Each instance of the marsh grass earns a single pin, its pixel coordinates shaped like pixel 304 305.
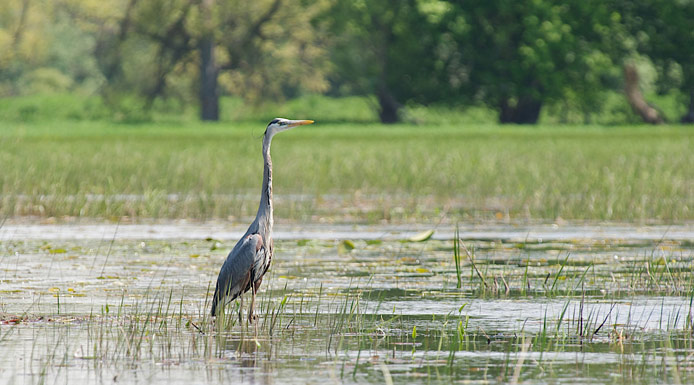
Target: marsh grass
pixel 157 330
pixel 341 171
pixel 512 276
pixel 547 313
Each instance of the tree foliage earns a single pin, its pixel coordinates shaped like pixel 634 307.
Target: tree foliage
pixel 41 50
pixel 385 48
pixel 137 51
pixel 662 30
pixel 515 57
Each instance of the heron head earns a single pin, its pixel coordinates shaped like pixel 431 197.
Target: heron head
pixel 281 124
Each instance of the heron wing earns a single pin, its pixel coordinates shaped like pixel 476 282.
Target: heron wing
pixel 235 273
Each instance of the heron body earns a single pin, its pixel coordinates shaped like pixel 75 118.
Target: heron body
pixel 250 258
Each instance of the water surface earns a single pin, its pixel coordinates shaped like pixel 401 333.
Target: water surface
pixel 345 304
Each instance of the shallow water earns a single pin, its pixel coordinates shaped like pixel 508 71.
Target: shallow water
pixel 545 304
pixel 225 231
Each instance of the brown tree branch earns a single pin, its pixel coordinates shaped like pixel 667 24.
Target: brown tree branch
pixel 638 103
pixel 253 33
pixel 22 21
pixel 112 62
pixel 175 44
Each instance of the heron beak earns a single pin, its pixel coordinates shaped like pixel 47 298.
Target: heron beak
pixel 295 123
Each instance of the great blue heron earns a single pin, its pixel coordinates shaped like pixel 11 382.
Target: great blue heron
pixel 248 261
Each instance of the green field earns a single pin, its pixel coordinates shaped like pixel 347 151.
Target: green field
pixel 357 172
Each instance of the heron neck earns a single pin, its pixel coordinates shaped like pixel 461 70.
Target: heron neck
pixel 264 216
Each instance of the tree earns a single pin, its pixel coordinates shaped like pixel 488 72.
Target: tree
pixel 519 55
pixel 270 49
pixel 209 89
pixel 638 103
pixel 134 44
pixel 662 30
pixel 43 49
pixel 384 48
pixel 199 49
pixel 22 42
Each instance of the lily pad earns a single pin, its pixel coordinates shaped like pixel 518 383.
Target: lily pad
pixel 421 237
pixel 345 246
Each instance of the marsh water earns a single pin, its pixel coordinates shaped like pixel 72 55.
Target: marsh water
pixel 343 304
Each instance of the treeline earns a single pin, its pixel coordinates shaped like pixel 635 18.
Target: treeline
pixel 513 56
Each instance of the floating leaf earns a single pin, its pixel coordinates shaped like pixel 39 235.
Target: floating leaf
pixel 374 242
pixel 194 255
pixel 421 237
pixel 345 246
pixel 57 251
pixel 216 245
pixel 302 242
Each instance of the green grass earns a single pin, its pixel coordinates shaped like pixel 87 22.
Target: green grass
pixel 357 172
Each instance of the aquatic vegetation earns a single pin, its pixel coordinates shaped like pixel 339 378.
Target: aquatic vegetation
pixel 406 312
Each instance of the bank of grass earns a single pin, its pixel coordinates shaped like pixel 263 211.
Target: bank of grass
pixel 357 172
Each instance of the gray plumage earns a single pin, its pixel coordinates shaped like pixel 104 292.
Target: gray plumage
pixel 245 261
pixel 250 259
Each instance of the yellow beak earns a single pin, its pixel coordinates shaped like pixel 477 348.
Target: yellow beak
pixel 295 123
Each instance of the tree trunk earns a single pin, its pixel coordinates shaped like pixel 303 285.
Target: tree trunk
pixel 388 106
pixel 689 117
pixel 209 94
pixel 526 111
pixel 647 112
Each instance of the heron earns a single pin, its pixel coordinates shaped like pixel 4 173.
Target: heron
pixel 250 258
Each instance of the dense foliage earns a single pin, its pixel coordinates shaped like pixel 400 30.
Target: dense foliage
pixel 513 57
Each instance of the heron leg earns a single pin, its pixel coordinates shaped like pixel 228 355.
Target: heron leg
pixel 254 286
pixel 240 309
pixel 251 315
